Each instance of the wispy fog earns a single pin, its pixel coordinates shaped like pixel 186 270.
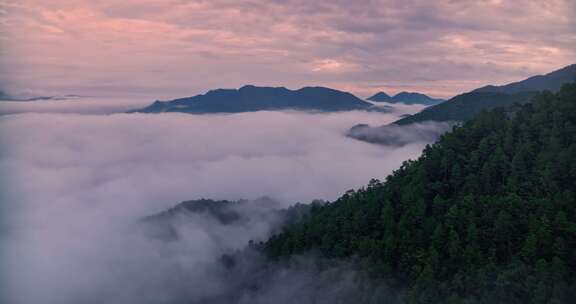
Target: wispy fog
pixel 76 184
pixel 77 105
pixel 395 135
pixel 400 107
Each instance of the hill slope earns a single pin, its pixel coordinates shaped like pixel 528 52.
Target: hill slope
pixel 551 82
pixel 487 214
pixel 252 98
pixel 465 106
pixel 380 96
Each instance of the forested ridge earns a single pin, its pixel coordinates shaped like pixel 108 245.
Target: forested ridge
pixel 487 214
pixel 466 106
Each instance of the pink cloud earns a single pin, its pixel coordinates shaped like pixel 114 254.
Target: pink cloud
pixel 178 47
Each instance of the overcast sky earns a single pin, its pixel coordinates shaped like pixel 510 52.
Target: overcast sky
pixel 170 48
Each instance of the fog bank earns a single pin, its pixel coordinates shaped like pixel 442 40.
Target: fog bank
pixel 76 184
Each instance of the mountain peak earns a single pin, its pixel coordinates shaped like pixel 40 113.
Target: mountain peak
pixel 405 97
pixel 247 87
pixel 408 94
pixel 380 96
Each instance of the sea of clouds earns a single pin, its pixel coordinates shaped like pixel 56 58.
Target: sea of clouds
pixel 73 185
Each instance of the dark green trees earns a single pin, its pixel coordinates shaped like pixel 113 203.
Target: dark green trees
pixel 486 215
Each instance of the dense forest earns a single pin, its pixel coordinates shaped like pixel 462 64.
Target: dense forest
pixel 487 214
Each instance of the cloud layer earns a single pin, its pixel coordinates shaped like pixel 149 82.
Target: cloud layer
pixel 183 47
pixel 184 156
pixel 75 184
pixel 78 105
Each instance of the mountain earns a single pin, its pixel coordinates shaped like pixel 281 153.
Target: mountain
pixel 487 214
pixel 551 82
pixel 467 105
pixel 405 97
pixel 380 96
pixel 251 98
pixel 415 98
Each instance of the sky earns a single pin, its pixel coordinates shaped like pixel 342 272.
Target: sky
pixel 172 48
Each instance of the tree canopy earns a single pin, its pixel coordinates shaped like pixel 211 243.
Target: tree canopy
pixel 487 214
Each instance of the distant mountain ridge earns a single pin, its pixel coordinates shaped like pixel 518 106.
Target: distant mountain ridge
pixel 380 96
pixel 251 98
pixel 465 106
pixel 551 82
pixel 405 97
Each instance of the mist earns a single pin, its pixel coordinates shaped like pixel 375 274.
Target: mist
pixel 396 136
pixel 76 105
pixel 75 185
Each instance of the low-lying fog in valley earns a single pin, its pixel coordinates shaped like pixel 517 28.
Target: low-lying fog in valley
pixel 75 104
pixel 78 183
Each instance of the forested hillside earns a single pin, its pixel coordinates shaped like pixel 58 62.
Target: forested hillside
pixel 486 215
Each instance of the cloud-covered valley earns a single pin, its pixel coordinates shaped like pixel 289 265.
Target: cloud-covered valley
pixel 76 184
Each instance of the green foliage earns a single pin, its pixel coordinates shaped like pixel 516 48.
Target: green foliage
pixel 486 215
